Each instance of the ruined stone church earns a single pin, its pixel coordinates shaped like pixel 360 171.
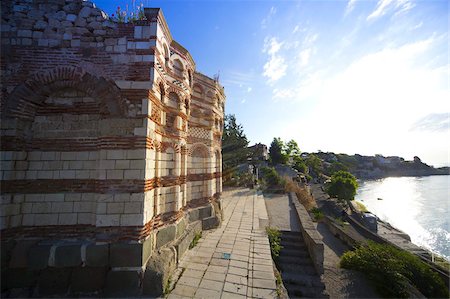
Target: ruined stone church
pixel 110 150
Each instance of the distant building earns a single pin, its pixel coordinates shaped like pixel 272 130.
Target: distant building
pixel 259 152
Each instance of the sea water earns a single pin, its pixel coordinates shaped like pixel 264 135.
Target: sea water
pixel 419 206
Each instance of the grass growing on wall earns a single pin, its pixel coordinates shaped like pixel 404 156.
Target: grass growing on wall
pixel 195 240
pixel 391 270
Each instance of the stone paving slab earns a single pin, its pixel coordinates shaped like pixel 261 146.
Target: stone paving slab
pixel 232 261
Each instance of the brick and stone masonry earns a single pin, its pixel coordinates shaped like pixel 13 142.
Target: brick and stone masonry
pixel 110 150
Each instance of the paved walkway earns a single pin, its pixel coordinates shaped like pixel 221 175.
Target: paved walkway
pixel 282 213
pixel 232 261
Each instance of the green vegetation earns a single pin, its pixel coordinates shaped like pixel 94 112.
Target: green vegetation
pixel 195 240
pixel 361 207
pixel 271 179
pixel 391 270
pixel 343 186
pixel 279 282
pixel 234 152
pixel 275 241
pixel 317 214
pixel 277 152
pixel 167 286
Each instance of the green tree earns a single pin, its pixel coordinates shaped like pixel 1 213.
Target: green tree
pixel 314 164
pixel 291 149
pixel 234 144
pixel 276 152
pixel 343 186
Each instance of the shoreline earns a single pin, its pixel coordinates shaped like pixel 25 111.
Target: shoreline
pixel 392 234
pixel 375 178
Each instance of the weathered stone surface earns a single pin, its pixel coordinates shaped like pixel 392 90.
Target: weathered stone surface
pixel 85 12
pixel 71 17
pixel 60 15
pixel 181 226
pixel 157 272
pixel 200 213
pixel 125 255
pixel 205 212
pixel 183 243
pixel 54 281
pixel 210 222
pixel 147 249
pixel 68 256
pixel 88 279
pixel 97 255
pixel 165 235
pixel 38 256
pixel 122 284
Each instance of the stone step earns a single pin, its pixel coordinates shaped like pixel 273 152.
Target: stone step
pixel 293 245
pixel 295 260
pixel 296 291
pixel 287 251
pixel 296 268
pixel 302 279
pixel 290 235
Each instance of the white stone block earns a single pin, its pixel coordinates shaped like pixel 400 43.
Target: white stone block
pixel 45 219
pixel 67 219
pixel 133 208
pixel 86 218
pixel 122 164
pixel 132 174
pixel 81 206
pixel 115 208
pixel 114 174
pixel 28 220
pixel 116 154
pixel 62 207
pixel 108 220
pixel 131 220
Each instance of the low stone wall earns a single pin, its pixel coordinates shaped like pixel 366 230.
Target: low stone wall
pixel 311 237
pixel 74 267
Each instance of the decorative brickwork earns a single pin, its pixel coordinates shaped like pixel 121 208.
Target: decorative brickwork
pixel 103 137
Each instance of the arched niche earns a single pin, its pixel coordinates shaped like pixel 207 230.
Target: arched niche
pixel 26 98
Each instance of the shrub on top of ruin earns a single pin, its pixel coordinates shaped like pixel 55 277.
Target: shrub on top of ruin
pixel 129 16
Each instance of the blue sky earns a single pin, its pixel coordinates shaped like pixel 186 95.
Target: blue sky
pixel 367 77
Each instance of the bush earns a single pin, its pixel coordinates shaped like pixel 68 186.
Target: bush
pixel 272 179
pixel 343 186
pixel 391 270
pixel 317 214
pixel 303 196
pixel 274 236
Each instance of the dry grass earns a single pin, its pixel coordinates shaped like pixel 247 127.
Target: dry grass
pixel 303 195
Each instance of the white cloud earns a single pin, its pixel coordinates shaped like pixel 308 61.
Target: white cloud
pixel 249 89
pixel 268 18
pixel 295 29
pixel 304 56
pixel 384 6
pixel 243 101
pixel 372 104
pixel 350 6
pixel 275 68
pixel 271 46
